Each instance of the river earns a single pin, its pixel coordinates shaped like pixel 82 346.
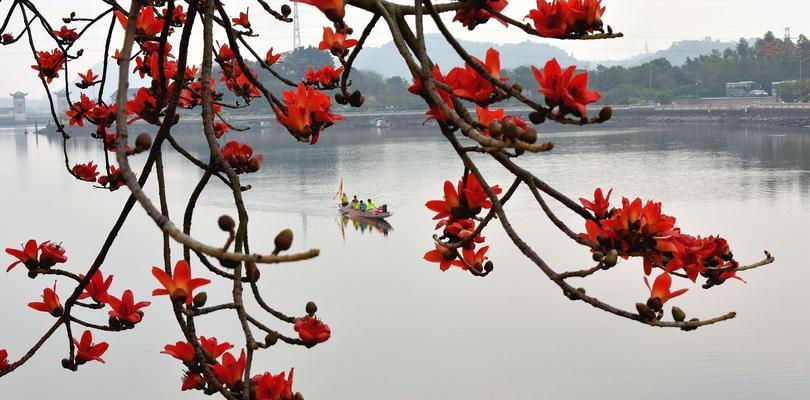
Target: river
pixel 401 328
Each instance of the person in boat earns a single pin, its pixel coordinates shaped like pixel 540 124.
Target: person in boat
pixel 355 204
pixel 344 200
pixel 362 206
pixel 370 206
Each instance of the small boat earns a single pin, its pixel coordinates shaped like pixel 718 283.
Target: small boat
pixel 348 210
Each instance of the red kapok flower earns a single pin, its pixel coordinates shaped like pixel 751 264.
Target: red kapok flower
pixel 50 302
pixel 577 96
pixel 220 128
pixel 4 361
pixel 229 372
pixel 600 204
pixel 182 351
pixel 442 255
pixel 336 43
pixel 97 288
pixel 88 79
pixel 86 172
pixel 551 19
pixel 242 20
pixel 87 351
pixel 311 330
pixel 661 286
pixel 66 34
pixel 181 286
pixel 240 157
pixel 468 84
pixel 473 13
pixel 192 381
pixel 78 111
pixel 274 387
pixel 586 15
pixel 473 258
pixel 49 64
pixel 213 347
pixel 125 309
pixel 327 77
pixel 444 208
pixel 29 255
pixel 333 9
pixel 271 58
pixel 146 25
pixel 51 254
pixel 307 113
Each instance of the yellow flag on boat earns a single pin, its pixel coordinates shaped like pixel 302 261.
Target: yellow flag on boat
pixel 340 189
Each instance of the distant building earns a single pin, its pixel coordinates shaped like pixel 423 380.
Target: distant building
pixel 16 113
pixel 741 89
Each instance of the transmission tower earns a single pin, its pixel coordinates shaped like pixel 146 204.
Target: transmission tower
pixel 296 27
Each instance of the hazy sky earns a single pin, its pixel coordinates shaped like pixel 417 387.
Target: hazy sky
pixel 652 23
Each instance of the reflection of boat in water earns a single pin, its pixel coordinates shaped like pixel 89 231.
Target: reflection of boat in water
pixel 364 224
pixel 376 215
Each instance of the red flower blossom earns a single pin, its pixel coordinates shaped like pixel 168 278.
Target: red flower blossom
pixel 242 20
pixel 4 361
pixel 182 351
pixel 144 106
pixel 274 387
pixel 474 194
pixel 220 128
pixel 328 77
pixel 51 254
pixel 125 309
pixel 213 347
pixel 307 113
pixel 66 35
pixel 229 372
pixel 473 258
pixel 87 351
pixel 114 180
pixel 97 288
pixel 336 43
pixel 473 13
pixel 146 25
pixel 29 255
pixel 551 19
pixel 333 9
pixel 565 88
pixel 600 205
pixel 88 79
pixel 311 330
pixel 661 286
pixel 468 84
pixel 49 64
pixel 586 15
pixel 444 208
pixel 179 287
pixel 50 302
pixel 463 201
pixel 192 381
pixel 78 111
pixel 86 172
pixel 241 158
pixel 178 15
pixel 442 255
pixel 271 58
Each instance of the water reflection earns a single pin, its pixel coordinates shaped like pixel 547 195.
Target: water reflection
pixel 364 225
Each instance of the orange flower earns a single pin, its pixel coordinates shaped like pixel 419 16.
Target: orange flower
pixel 271 58
pixel 49 64
pixel 242 21
pixel 181 286
pixel 87 351
pixel 335 10
pixel 50 302
pixel 661 286
pixel 229 372
pixel 146 25
pixel 88 79
pixel 307 113
pixel 336 43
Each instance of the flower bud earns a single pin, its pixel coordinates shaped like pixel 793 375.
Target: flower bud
pixel 311 308
pixel 605 114
pixel 271 338
pixel 286 10
pixel 655 303
pixel 518 87
pixel 283 241
pixel 690 328
pixel 298 396
pixel 354 97
pixel 228 263
pixel 611 259
pixel 32 274
pixel 678 314
pixel 253 271
pixel 495 128
pixel 581 290
pixel 226 223
pixel 200 299
pixel 509 129
pixel 489 266
pixel 597 256
pixel 645 312
pixel 529 135
pixel 67 364
pixel 80 53
pixel 143 142
pixel 537 118
pixel 340 98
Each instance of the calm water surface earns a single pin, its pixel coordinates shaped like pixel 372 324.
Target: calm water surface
pixel 401 328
